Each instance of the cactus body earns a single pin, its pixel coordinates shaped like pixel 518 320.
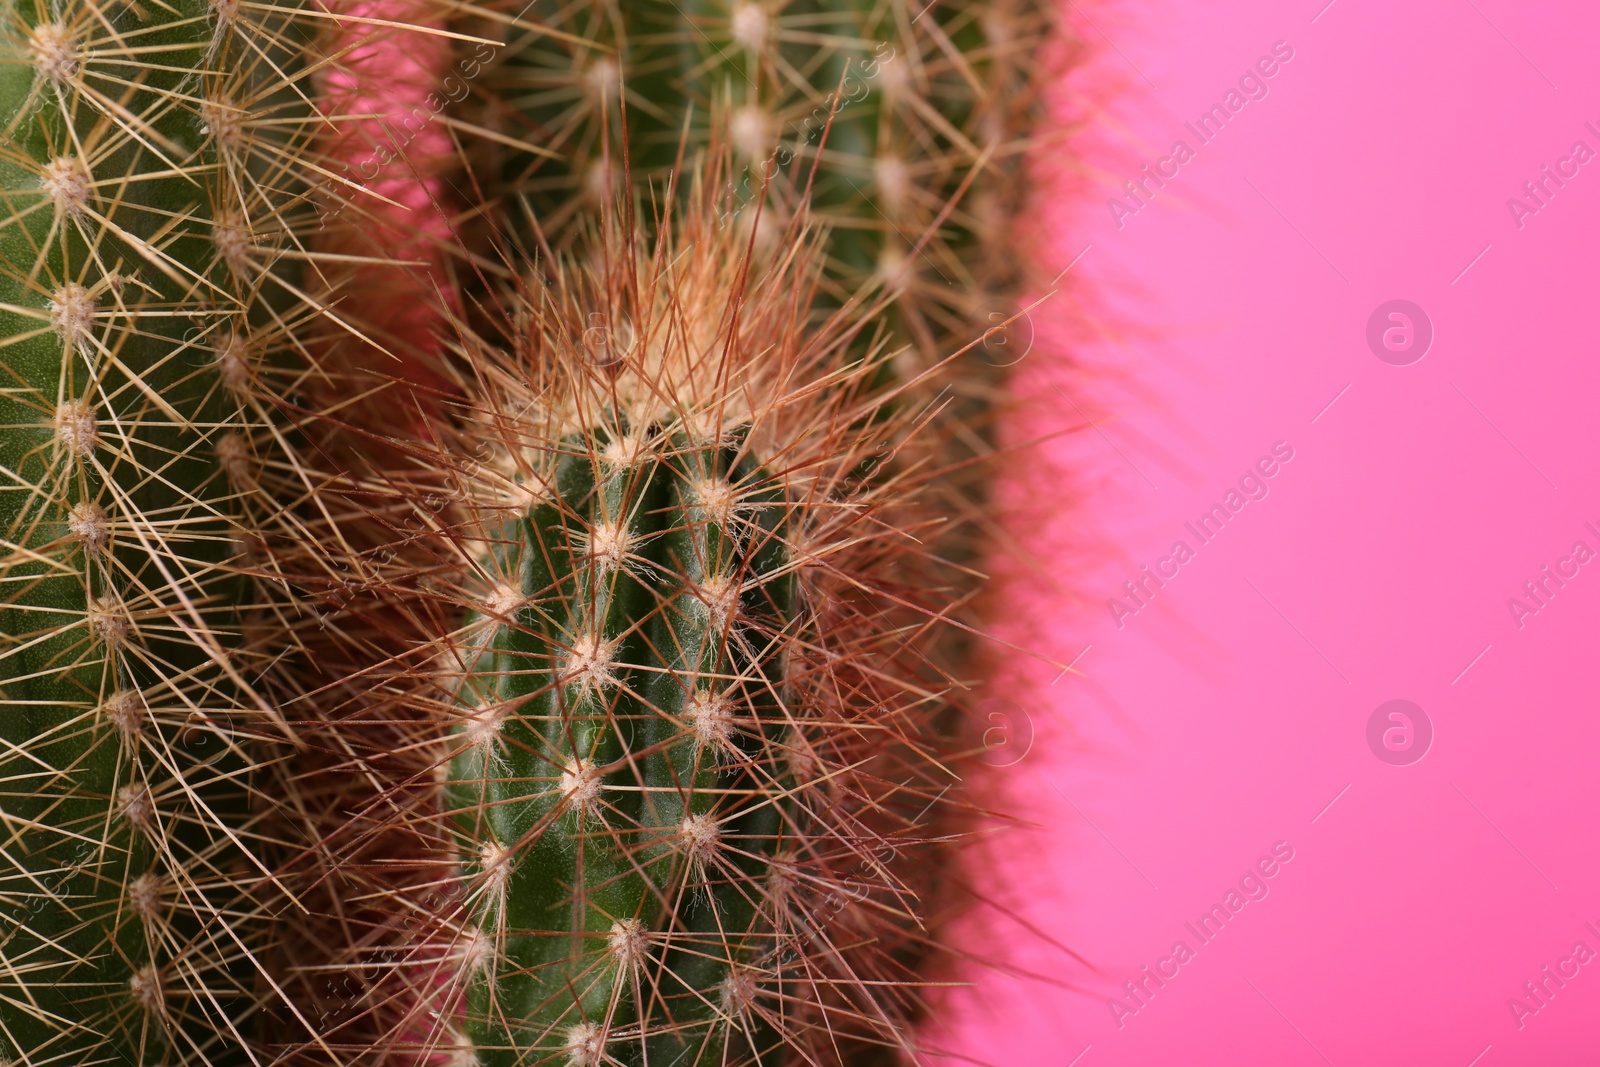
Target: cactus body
pixel 652 785
pixel 129 642
pixel 609 792
pixel 681 743
pixel 913 116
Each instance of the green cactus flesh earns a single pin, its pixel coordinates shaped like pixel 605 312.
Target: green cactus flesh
pixel 127 647
pixel 615 787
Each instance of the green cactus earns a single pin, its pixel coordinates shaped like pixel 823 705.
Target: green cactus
pixel 611 797
pixel 680 753
pixel 134 178
pixel 683 720
pixel 914 117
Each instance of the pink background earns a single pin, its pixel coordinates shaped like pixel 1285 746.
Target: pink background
pixel 1225 316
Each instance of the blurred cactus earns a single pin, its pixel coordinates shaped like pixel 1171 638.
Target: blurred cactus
pixel 907 123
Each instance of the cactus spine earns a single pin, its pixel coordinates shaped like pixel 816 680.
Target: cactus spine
pixel 129 641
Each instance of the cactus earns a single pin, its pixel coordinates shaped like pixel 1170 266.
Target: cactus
pixel 663 558
pixel 594 806
pixel 650 687
pixel 913 116
pixel 729 882
pixel 658 748
pixel 138 183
